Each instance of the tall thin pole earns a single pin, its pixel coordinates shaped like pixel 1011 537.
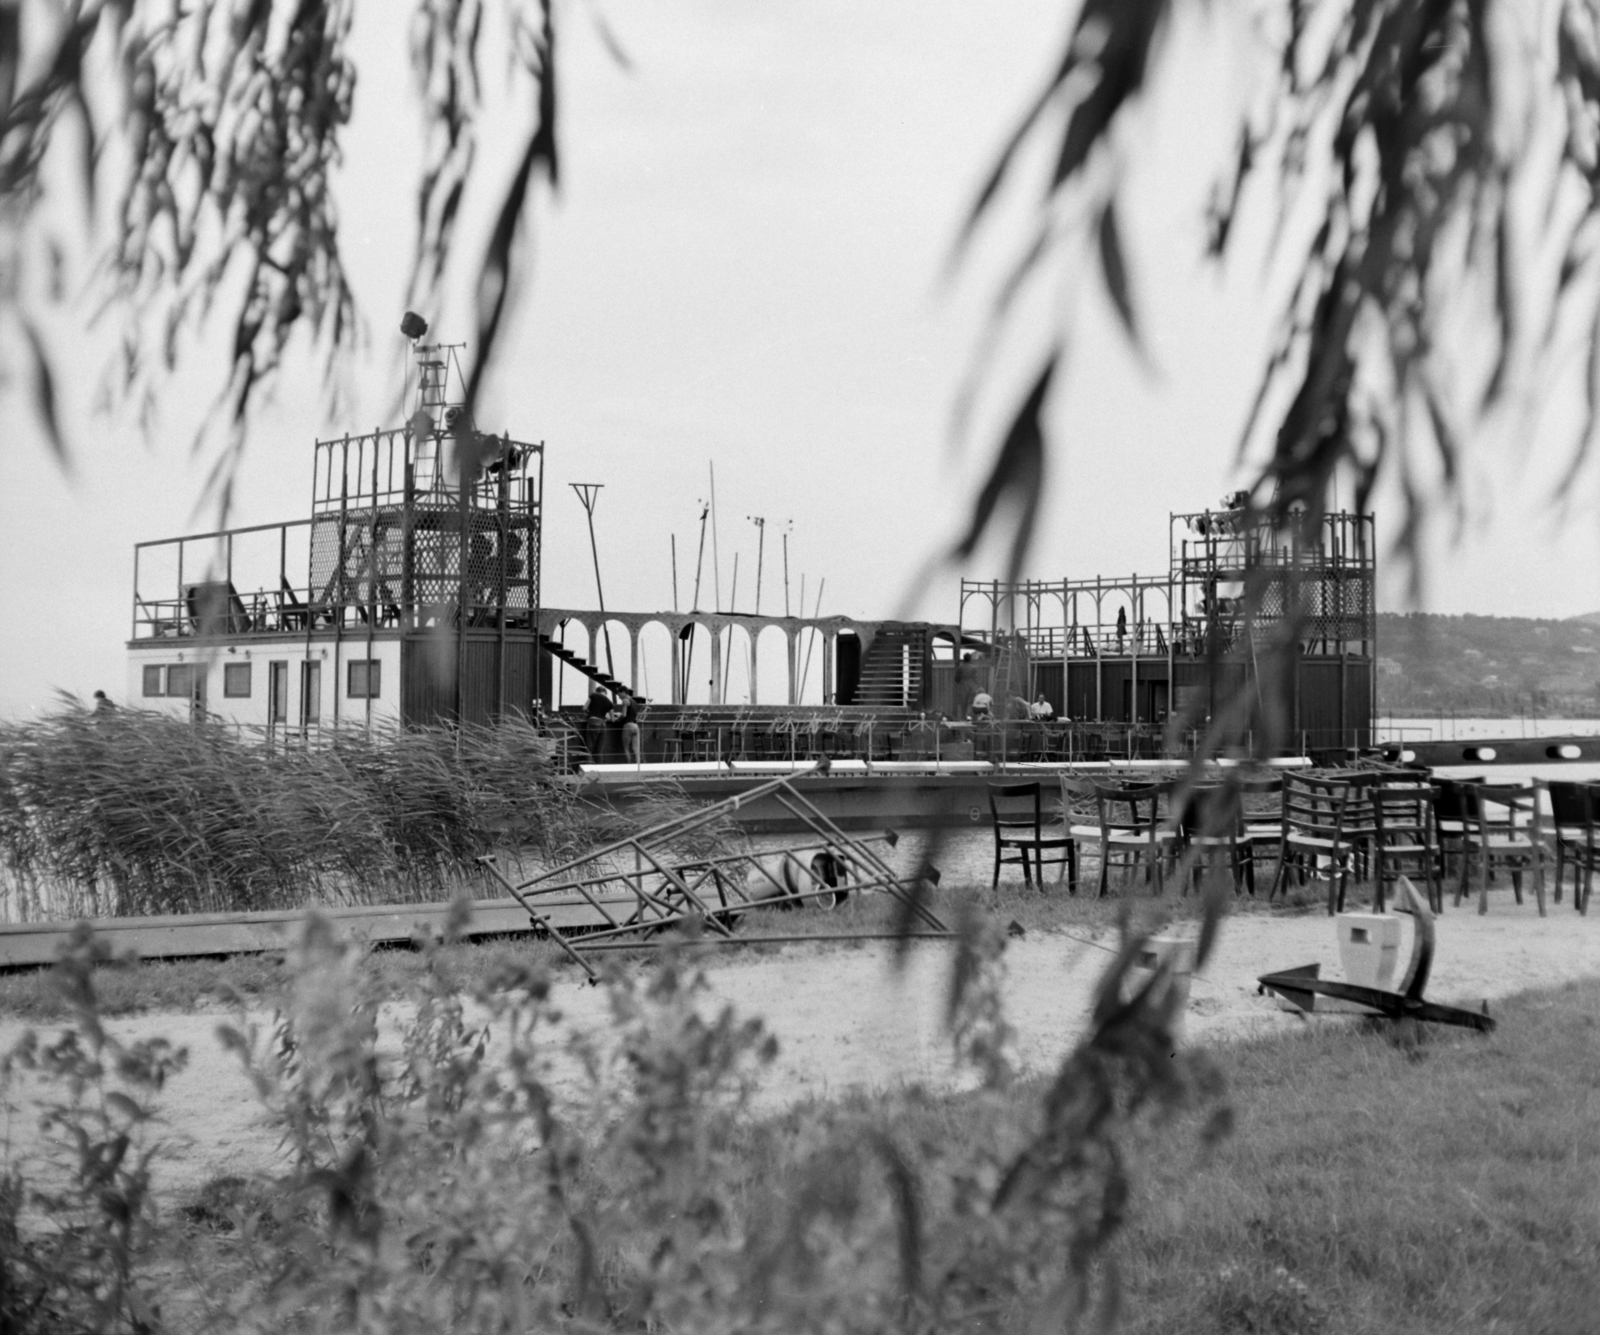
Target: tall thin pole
pixel 674 572
pixel 588 493
pixel 716 568
pixel 786 576
pixel 699 565
pixel 700 560
pixel 761 544
pixel 806 672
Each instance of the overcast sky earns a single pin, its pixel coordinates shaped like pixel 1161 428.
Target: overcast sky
pixel 744 265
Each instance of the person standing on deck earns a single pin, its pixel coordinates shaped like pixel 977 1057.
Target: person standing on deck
pixel 594 722
pixel 632 712
pixel 1042 709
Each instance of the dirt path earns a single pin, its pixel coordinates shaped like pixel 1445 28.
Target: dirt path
pixel 845 1019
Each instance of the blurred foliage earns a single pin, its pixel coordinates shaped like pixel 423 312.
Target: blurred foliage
pixel 1434 166
pixel 488 1168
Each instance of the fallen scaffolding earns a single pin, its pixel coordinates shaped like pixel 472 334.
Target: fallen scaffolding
pixel 641 887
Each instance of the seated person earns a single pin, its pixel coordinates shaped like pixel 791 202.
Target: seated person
pixel 1041 709
pixel 982 707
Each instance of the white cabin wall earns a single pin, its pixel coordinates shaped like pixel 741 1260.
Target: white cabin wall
pixel 251 711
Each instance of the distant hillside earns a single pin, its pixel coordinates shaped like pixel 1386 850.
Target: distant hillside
pixel 1488 665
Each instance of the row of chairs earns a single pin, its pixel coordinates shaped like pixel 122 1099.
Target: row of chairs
pixel 1376 824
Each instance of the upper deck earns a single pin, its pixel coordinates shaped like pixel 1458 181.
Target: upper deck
pixel 432 523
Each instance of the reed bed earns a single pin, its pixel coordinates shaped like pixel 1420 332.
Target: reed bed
pixel 128 813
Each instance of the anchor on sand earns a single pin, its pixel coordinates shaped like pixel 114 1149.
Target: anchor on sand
pixel 1302 986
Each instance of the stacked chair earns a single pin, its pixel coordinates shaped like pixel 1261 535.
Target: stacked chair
pixel 1502 830
pixel 1573 836
pixel 1132 830
pixel 1328 825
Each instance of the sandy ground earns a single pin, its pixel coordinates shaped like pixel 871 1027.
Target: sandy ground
pixel 844 1019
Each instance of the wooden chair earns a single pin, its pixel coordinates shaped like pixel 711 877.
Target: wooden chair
pixel 1261 797
pixel 1451 805
pixel 1503 830
pixel 1324 817
pixel 1020 834
pixel 1404 839
pixel 1131 829
pixel 1573 833
pixel 1211 823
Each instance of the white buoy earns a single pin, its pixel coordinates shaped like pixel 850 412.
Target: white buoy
pixel 1369 947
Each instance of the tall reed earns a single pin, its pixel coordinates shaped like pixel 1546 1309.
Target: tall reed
pixel 129 813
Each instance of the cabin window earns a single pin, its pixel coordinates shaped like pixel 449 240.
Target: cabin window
pixel 366 679
pixel 180 681
pixel 236 680
pixel 153 684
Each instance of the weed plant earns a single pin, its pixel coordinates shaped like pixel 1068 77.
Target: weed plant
pixel 130 812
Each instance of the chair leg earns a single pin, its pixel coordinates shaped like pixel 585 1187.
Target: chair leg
pixel 1516 884
pixel 996 884
pixel 1280 874
pixel 1105 868
pixel 1483 890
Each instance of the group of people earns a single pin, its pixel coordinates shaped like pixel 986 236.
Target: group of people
pixel 602 710
pixel 1040 711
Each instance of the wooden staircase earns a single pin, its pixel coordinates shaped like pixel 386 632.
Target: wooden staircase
pixel 892 668
pixel 581 664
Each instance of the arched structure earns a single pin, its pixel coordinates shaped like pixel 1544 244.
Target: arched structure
pixel 899 685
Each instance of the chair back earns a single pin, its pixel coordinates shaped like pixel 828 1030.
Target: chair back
pixel 1571 804
pixel 1209 810
pixel 1016 806
pixel 1454 801
pixel 1503 808
pixel 1403 813
pixel 1130 808
pixel 1319 806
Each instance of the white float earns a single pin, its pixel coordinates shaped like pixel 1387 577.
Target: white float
pixel 1369 947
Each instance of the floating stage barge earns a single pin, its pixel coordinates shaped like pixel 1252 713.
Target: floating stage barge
pixel 410 596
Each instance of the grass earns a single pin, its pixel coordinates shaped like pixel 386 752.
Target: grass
pixel 1418 1179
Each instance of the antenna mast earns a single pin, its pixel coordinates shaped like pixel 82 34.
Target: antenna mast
pixel 588 494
